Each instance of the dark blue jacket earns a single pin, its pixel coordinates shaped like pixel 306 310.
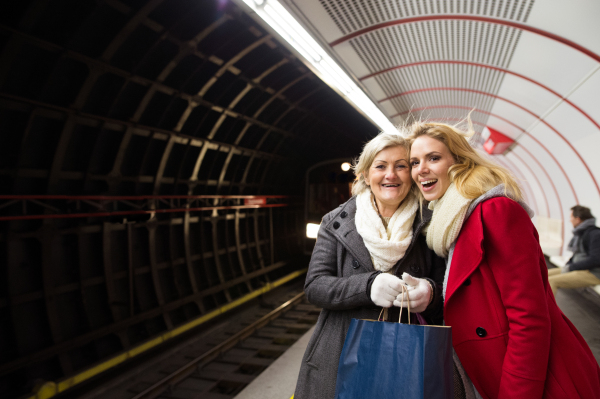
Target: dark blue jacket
pixel 587 257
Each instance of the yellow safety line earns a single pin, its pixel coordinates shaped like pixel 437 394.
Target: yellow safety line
pixel 50 389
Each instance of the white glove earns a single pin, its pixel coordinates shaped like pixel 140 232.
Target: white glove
pixel 419 293
pixel 385 289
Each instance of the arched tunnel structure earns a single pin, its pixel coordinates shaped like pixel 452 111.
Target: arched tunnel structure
pixel 154 151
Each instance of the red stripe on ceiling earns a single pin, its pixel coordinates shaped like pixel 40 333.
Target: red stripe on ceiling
pixel 502 160
pixel 512 124
pixel 549 179
pixel 562 216
pixel 510 102
pixel 475 64
pixel 477 18
pixel 538 183
pixel 527 191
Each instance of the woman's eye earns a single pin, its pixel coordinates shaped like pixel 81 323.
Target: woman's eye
pixel 435 158
pixel 414 163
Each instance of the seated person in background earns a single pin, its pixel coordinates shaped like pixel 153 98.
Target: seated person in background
pixel 583 269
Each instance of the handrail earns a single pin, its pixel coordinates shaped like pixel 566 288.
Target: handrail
pixel 133 197
pixel 50 388
pixel 135 205
pixel 125 213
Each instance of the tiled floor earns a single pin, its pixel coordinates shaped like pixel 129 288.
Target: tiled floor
pixel 584 312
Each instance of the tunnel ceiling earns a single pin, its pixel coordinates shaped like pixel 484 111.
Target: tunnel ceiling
pixel 158 97
pixel 528 69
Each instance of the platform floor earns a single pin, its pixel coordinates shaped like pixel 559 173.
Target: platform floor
pixel 584 313
pixel 278 381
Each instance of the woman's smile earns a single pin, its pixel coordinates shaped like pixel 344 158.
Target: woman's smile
pixel 430 160
pixel 389 179
pixel 428 185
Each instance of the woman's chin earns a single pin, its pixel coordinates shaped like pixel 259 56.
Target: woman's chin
pixel 430 196
pixel 391 201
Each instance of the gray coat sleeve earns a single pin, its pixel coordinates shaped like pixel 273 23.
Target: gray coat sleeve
pixel 593 259
pixel 325 285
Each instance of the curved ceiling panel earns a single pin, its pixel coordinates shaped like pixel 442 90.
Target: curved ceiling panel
pixel 574 22
pixel 528 69
pixel 529 194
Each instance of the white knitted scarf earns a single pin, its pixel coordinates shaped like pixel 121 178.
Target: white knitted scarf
pixel 386 246
pixel 447 220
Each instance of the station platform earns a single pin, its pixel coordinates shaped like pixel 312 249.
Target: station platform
pixel 583 309
pixel 278 381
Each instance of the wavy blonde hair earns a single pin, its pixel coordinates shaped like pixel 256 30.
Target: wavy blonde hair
pixel 367 156
pixel 472 174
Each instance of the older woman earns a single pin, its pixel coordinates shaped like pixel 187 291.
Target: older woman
pixel 510 336
pixel 362 248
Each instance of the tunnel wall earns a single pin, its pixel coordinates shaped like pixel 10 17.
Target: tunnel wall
pixel 145 101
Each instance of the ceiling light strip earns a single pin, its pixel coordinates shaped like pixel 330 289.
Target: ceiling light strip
pixel 280 20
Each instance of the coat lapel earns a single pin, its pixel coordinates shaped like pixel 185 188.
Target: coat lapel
pixel 348 236
pixel 355 245
pixel 468 252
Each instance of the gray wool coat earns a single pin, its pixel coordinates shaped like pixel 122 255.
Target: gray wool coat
pixel 337 281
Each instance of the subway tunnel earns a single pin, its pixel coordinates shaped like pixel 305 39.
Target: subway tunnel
pixel 154 153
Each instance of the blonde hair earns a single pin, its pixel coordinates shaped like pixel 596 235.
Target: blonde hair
pixel 472 174
pixel 371 149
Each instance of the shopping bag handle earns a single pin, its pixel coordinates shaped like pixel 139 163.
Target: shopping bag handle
pixel 384 310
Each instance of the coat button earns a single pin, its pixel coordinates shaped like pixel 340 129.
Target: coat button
pixel 467 282
pixel 355 264
pixel 343 214
pixel 336 225
pixel 481 331
pixel 414 268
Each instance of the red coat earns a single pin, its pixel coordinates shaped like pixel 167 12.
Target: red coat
pixel 511 337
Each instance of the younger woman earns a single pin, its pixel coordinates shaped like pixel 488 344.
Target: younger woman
pixel 510 336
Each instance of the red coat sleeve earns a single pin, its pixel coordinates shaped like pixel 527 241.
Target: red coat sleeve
pixel 513 253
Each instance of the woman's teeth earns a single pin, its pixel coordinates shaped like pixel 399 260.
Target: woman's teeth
pixel 428 183
pixel 390 185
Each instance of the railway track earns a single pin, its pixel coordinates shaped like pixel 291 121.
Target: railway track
pixel 223 361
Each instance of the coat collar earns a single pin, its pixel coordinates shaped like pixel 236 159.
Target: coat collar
pixel 349 237
pixel 347 234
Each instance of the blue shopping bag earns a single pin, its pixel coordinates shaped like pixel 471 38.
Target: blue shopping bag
pixel 383 360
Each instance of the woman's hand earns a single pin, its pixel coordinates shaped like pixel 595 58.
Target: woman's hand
pixel 419 293
pixel 385 289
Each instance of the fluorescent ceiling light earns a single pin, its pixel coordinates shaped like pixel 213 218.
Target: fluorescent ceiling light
pixel 274 14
